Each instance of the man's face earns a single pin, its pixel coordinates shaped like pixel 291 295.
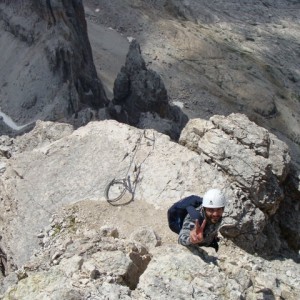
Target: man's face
pixel 213 215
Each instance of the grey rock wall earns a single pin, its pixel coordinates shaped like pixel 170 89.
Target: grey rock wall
pixel 79 164
pixel 47 70
pixel 53 183
pixel 141 99
pixel 90 265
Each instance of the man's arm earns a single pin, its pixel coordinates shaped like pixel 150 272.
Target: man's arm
pixel 184 234
pixel 191 232
pixel 214 244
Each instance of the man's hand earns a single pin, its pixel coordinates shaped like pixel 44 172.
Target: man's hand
pixel 196 235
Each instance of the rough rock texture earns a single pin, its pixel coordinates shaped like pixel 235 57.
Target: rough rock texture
pixel 175 274
pixel 257 164
pixel 79 261
pixel 212 59
pixel 215 57
pixel 78 165
pixel 48 71
pixel 58 80
pixel 138 90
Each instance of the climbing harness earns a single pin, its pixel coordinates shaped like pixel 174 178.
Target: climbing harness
pixel 117 188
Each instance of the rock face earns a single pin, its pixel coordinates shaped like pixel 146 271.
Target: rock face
pixel 75 262
pixel 140 93
pixel 48 241
pixel 47 70
pixel 139 89
pixel 257 164
pixel 56 78
pixel 250 164
pixel 258 83
pixel 53 179
pixel 219 57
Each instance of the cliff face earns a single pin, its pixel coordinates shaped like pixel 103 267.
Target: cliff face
pixel 47 68
pixel 52 76
pixel 215 57
pixel 60 237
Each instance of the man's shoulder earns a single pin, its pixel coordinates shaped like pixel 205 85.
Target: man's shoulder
pixel 192 200
pixel 194 197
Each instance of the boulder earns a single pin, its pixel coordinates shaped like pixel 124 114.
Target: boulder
pixel 139 91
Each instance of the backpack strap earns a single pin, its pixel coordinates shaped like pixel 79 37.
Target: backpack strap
pixel 195 214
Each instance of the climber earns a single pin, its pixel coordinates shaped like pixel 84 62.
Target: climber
pixel 203 230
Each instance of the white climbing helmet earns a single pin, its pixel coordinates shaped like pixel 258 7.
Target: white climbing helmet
pixel 214 198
